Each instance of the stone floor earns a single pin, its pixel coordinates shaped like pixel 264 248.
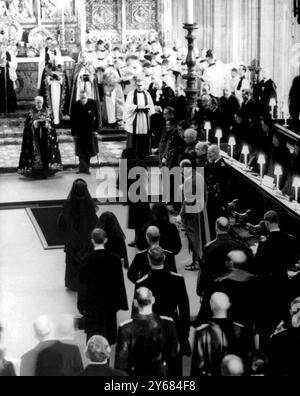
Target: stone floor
pixel 31 278
pixel 32 282
pixel 109 154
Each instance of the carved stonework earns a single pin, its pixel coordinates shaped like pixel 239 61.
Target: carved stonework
pixel 103 14
pixel 38 36
pixel 12 29
pixel 141 14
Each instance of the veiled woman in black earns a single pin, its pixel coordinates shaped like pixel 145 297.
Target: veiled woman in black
pixel 115 237
pixel 40 155
pixel 77 221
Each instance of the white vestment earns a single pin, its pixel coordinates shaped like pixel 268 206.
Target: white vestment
pixel 142 119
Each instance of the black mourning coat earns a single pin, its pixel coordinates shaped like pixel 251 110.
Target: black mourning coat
pixel 141 267
pixel 84 122
pixel 103 277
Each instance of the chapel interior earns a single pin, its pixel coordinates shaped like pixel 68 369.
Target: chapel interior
pixel 259 34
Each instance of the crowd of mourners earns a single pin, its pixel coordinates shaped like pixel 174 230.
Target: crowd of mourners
pixel 248 321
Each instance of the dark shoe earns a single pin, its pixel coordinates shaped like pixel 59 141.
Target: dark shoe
pixel 132 244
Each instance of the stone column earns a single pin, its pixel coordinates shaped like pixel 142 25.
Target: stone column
pixel 166 21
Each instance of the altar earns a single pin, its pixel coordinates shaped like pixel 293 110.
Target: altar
pixel 27 72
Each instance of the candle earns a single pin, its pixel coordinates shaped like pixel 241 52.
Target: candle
pixel 246 152
pixel 219 135
pixel 278 172
pixel 261 161
pixel 207 127
pixel 190 12
pixel 273 105
pixel 232 143
pixel 296 185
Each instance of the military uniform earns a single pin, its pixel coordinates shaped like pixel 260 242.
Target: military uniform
pixel 215 340
pixel 171 299
pixel 147 346
pixel 215 254
pixel 217 180
pixel 140 266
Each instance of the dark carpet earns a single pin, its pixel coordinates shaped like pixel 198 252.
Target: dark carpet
pixel 44 220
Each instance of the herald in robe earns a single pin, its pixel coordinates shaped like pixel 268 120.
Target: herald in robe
pixel 40 155
pixel 85 78
pixel 55 91
pixel 8 78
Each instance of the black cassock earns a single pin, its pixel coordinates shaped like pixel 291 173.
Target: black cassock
pixel 103 277
pixel 8 99
pixel 40 155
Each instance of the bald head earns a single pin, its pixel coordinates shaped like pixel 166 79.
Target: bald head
pixel 144 298
pixel 237 259
pixel 222 226
pixel 153 236
pixel 214 153
pixel 43 328
pixel 232 366
pixel 220 305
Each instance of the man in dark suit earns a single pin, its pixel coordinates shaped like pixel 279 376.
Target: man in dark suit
pixel 217 186
pixel 229 107
pixel 147 344
pixel 242 289
pixel 171 298
pixel 44 333
pixel 59 360
pixel 102 275
pixel 84 124
pixel 274 257
pixel 249 108
pixel 140 265
pixel 215 254
pixel 98 351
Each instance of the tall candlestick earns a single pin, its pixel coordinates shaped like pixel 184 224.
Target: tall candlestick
pixel 278 172
pixel 190 12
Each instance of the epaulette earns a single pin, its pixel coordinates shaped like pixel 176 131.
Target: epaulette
pixel 127 322
pixel 210 243
pixel 167 318
pixel 280 329
pixel 178 275
pixel 239 325
pixel 202 327
pixel 143 279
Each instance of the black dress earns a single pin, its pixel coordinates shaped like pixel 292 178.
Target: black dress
pixel 77 221
pixel 8 98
